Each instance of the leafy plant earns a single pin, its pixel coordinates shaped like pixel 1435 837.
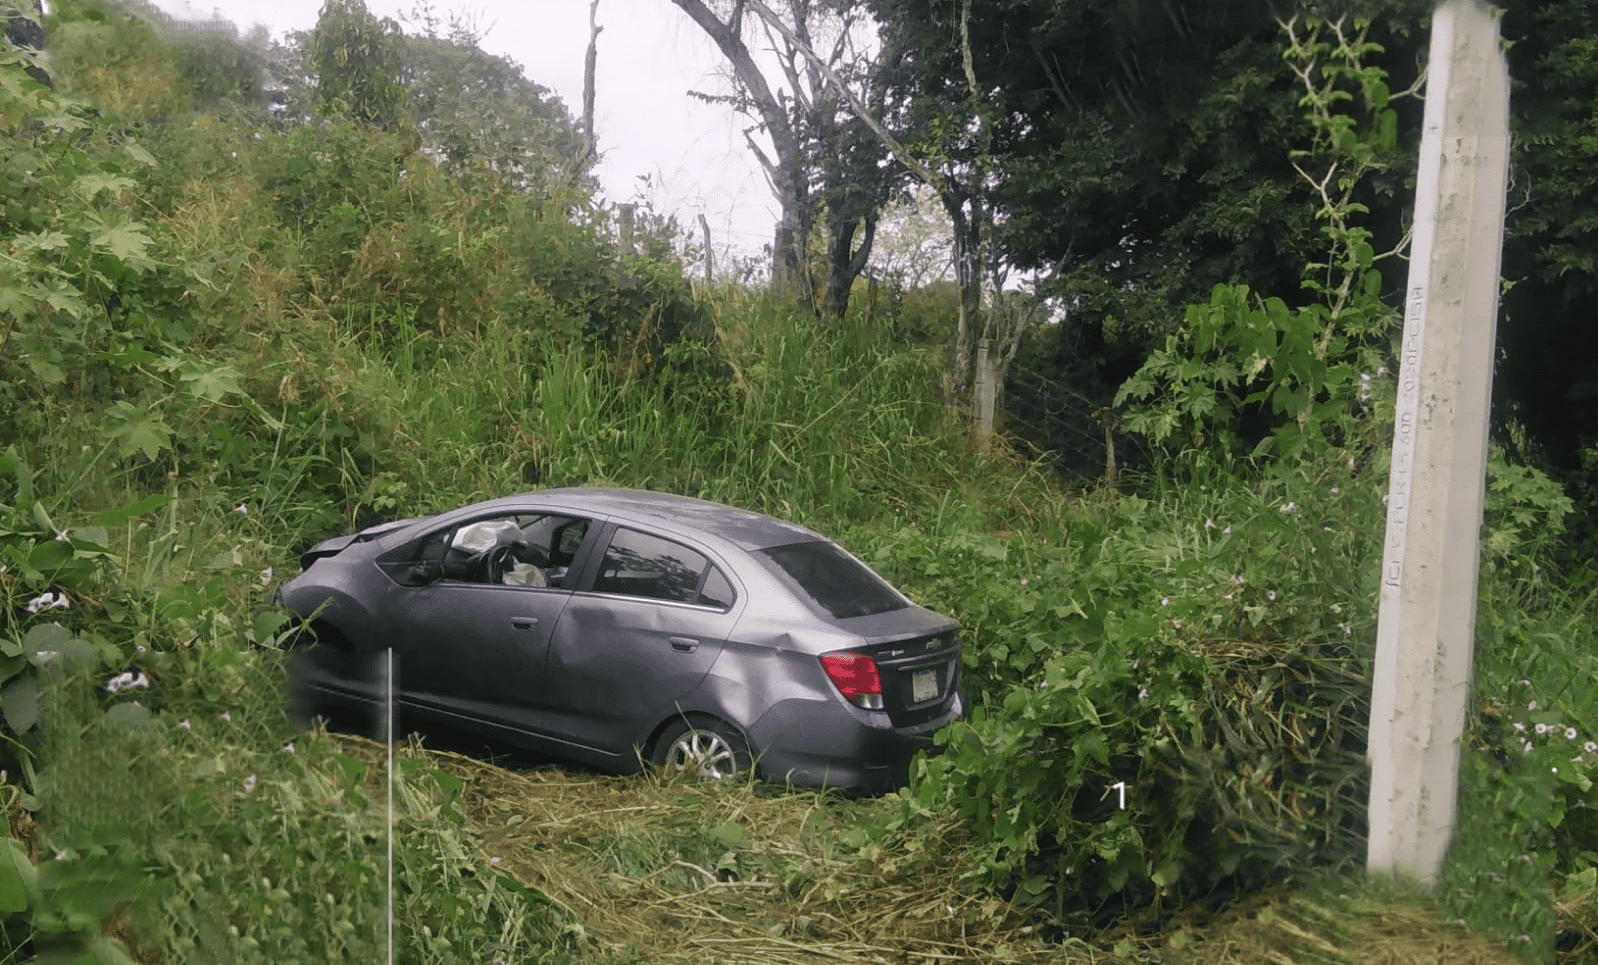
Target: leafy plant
pixel 1315 368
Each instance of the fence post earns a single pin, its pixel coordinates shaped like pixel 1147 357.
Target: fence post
pixel 986 391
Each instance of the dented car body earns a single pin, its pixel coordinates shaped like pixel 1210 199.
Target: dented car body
pixel 618 627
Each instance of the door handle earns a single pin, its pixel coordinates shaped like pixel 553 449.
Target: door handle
pixel 524 623
pixel 684 644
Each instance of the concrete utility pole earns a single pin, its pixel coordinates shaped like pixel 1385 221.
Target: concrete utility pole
pixel 1426 622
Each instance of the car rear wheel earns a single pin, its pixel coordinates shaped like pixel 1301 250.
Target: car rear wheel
pixel 705 748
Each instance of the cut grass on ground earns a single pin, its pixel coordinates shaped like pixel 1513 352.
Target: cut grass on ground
pixel 674 871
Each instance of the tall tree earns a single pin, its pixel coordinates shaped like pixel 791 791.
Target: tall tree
pixel 824 167
pixel 1137 155
pixel 356 59
pixel 1549 374
pixel 784 168
pixel 479 115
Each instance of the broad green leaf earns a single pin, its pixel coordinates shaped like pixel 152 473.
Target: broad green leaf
pixel 126 241
pixel 50 555
pixel 139 507
pixel 129 716
pixel 17 877
pixel 90 185
pixel 20 702
pixel 42 241
pixel 139 154
pixel 137 430
pixel 215 383
pixel 207 768
pixel 729 835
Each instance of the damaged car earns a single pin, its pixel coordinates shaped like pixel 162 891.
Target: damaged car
pixel 616 628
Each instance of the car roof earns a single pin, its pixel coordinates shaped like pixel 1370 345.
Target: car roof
pixel 744 528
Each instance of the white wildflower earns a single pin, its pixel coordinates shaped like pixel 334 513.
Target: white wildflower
pixel 1570 733
pixel 266 576
pixel 242 509
pixel 1542 728
pixel 1024 581
pixel 1270 595
pixel 1519 727
pixel 1289 507
pixel 1335 490
pixel 1209 524
pixel 1532 705
pixel 249 784
pixel 127 680
pixel 1590 747
pixel 225 716
pixel 1165 601
pixel 1143 694
pixel 1227 531
pixel 61 536
pixel 49 600
pixel 288 748
pixel 183 724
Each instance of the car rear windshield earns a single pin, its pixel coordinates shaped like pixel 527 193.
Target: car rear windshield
pixel 834 580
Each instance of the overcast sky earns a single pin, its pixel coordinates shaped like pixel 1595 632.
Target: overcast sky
pixel 650 55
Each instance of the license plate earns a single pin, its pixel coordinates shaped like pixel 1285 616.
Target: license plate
pixel 923 685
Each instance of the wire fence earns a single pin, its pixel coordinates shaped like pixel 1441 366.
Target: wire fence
pixel 1077 432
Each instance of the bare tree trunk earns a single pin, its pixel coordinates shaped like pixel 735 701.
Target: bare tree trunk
pixel 590 146
pixel 845 262
pixel 786 170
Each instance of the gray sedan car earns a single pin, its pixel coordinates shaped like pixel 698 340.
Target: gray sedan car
pixel 614 627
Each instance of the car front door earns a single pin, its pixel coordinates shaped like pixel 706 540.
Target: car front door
pixel 471 646
pixel 637 640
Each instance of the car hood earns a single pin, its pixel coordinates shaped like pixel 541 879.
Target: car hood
pixel 338 544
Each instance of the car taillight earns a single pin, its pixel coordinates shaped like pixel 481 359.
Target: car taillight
pixel 855 675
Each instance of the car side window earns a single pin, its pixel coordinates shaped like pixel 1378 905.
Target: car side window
pixel 638 564
pixel 533 550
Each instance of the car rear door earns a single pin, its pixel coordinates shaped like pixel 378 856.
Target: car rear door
pixel 638 635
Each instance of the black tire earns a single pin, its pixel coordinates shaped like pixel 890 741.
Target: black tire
pixel 705 747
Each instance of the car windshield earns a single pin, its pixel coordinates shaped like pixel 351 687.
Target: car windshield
pixel 834 580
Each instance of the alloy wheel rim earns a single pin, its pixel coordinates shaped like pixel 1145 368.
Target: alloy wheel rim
pixel 704 752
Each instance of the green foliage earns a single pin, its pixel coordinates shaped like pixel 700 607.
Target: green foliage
pixel 356 59
pixel 1198 649
pixel 1527 824
pixel 487 121
pixel 1312 368
pixel 116 61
